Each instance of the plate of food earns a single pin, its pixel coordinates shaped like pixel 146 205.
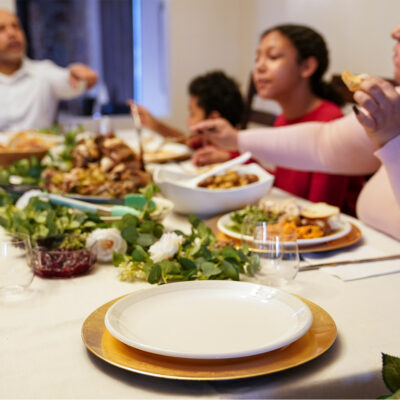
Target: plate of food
pixel 157 149
pixel 314 224
pixel 24 144
pixel 258 318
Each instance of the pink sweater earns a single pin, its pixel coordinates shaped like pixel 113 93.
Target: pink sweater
pixel 338 147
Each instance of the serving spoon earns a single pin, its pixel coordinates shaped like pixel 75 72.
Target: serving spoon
pixel 193 182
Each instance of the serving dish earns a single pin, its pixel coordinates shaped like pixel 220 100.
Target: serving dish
pixel 9 157
pixel 317 340
pixel 205 202
pixel 208 319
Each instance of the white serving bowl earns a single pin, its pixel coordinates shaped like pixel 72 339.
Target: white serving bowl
pixel 206 202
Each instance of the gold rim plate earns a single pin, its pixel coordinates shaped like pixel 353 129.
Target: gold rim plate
pixel 315 342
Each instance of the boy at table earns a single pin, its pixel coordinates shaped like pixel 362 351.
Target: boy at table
pixel 212 95
pixel 30 90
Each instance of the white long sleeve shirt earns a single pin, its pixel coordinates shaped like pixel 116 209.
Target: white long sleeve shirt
pixel 29 98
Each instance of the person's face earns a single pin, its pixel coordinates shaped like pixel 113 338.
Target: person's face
pixel 12 38
pixel 196 113
pixel 277 70
pixel 396 55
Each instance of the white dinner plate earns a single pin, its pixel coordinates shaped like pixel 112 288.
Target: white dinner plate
pixel 208 319
pixel 225 221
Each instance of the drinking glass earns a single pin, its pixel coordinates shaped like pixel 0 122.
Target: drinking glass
pixel 16 272
pixel 278 251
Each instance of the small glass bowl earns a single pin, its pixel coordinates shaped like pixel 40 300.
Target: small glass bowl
pixel 62 263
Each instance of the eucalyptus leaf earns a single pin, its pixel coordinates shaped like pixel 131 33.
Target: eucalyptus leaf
pixel 130 234
pixel 154 274
pixel 229 270
pixel 209 269
pixel 139 254
pixel 391 372
pixel 145 239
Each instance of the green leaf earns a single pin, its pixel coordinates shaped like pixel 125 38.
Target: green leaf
pixel 145 239
pixel 138 254
pixel 154 274
pixel 209 269
pixel 187 264
pixel 229 270
pixel 395 395
pixel 147 227
pixel 170 267
pixel 129 220
pixel 117 258
pixel 229 252
pixel 391 372
pixel 158 230
pixel 130 234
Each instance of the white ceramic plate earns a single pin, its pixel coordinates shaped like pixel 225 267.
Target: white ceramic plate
pixel 208 319
pixel 226 221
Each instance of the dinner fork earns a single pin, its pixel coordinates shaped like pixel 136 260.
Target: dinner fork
pixel 137 123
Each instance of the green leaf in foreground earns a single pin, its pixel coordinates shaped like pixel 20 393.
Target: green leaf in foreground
pixel 391 372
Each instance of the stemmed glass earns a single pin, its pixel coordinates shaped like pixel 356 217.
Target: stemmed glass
pixel 16 272
pixel 277 249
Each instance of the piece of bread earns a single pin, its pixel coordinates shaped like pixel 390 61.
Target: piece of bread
pixel 319 211
pixel 352 81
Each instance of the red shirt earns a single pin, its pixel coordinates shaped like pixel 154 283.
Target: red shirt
pixel 338 190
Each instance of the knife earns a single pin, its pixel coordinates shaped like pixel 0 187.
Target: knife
pixel 337 263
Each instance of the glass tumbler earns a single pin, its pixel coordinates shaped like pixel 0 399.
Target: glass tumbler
pixel 16 272
pixel 278 251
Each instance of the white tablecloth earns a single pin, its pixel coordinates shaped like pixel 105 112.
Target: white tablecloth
pixel 42 354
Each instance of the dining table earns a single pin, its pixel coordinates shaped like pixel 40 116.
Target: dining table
pixel 43 356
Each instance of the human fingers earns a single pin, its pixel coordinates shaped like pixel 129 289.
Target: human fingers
pixel 81 72
pixel 364 118
pixel 396 33
pixel 202 156
pixel 381 100
pixel 208 125
pixel 383 92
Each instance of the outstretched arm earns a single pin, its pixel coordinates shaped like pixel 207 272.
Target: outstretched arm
pixel 339 147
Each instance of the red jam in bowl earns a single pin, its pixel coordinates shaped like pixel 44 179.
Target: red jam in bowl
pixel 62 263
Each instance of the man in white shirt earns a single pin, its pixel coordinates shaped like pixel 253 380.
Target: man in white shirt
pixel 30 90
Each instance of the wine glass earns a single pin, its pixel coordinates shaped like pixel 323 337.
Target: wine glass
pixel 16 272
pixel 278 251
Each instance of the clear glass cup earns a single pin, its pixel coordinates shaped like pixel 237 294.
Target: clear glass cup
pixel 16 272
pixel 278 251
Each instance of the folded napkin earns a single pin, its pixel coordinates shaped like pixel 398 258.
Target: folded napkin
pixel 351 272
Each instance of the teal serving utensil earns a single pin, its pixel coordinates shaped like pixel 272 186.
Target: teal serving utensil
pixel 137 201
pixel 114 211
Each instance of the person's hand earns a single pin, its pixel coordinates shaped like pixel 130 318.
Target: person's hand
pixel 219 132
pixel 146 117
pixel 195 141
pixel 81 72
pixel 380 113
pixel 210 155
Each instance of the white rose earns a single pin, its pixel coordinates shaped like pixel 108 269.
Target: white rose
pixel 103 242
pixel 166 247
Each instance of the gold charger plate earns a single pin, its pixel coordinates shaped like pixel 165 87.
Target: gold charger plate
pixel 318 339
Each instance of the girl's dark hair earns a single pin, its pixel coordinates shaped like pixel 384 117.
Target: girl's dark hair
pixel 310 43
pixel 217 92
